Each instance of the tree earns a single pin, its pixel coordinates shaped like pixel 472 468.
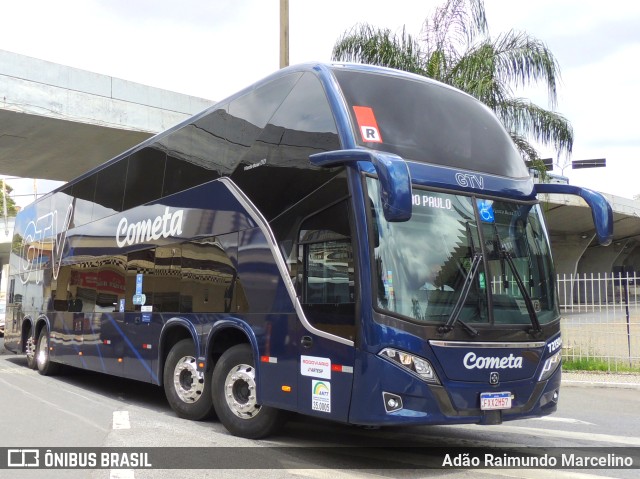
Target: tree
pixel 12 209
pixel 455 48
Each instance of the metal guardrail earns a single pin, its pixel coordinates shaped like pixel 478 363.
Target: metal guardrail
pixel 601 318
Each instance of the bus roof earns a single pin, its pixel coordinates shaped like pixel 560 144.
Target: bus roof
pixel 417 118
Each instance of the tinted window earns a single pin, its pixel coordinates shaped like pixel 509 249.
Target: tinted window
pixel 427 122
pixel 84 193
pixel 258 106
pixel 199 152
pixel 110 189
pixel 182 175
pixel 302 125
pixel 287 226
pixel 327 282
pixel 144 177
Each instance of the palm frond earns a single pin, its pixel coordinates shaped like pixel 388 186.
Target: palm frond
pixel 522 60
pixel 526 149
pixel 548 127
pixel 475 73
pixel 374 46
pixel 457 22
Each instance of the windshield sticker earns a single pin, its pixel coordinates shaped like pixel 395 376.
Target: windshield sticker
pixel 485 208
pixel 368 125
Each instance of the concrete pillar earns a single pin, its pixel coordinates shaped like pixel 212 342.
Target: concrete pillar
pixel 567 251
pixel 595 268
pixel 601 259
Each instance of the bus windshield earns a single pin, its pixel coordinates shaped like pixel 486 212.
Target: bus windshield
pixel 487 262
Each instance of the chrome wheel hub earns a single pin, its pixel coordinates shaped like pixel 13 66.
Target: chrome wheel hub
pixel 30 348
pixel 188 382
pixel 240 391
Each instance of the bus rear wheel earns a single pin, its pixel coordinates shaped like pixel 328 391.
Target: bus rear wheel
pixel 42 355
pixel 30 349
pixel 188 390
pixel 234 396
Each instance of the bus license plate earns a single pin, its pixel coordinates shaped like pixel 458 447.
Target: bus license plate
pixel 489 401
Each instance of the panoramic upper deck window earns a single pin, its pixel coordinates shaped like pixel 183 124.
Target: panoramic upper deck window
pixel 425 121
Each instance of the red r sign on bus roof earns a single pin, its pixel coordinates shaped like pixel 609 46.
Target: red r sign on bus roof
pixel 367 124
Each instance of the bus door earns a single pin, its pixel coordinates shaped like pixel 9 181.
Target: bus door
pixel 327 294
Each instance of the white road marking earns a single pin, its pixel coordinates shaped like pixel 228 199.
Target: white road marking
pixel 562 419
pixel 121 474
pixel 582 436
pixel 333 474
pixel 538 474
pixel 515 473
pixel 121 420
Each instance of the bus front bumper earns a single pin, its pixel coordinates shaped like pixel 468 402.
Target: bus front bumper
pixel 386 395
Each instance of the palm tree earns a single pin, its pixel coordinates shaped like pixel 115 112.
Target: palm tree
pixel 455 48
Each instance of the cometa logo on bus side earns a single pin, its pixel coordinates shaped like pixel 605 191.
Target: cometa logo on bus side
pixel 162 226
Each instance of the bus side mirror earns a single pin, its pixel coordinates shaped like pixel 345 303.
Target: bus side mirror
pixel 393 174
pixel 600 208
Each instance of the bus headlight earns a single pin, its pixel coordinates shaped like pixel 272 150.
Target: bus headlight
pixel 414 364
pixel 550 365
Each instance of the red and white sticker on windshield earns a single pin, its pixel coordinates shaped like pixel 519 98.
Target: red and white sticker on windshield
pixel 367 124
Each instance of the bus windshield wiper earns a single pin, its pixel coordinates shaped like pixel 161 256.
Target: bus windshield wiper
pixel 505 255
pixel 523 290
pixel 464 293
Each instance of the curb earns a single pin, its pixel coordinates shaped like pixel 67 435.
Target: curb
pixel 576 383
pixel 600 379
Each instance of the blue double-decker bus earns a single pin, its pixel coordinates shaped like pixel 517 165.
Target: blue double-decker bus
pixel 342 241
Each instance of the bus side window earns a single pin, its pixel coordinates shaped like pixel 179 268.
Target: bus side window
pixel 328 275
pixel 326 285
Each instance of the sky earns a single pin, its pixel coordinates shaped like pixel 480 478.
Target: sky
pixel 213 48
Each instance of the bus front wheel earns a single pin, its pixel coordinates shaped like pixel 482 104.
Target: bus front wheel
pixel 188 390
pixel 234 396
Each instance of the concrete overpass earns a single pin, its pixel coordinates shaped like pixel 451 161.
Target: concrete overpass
pixel 573 242
pixel 57 122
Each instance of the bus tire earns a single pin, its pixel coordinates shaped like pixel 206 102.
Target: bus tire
pixel 30 349
pixel 45 366
pixel 187 389
pixel 234 396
